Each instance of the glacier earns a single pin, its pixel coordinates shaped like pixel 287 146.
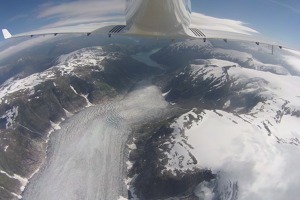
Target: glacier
pixel 239 118
pixel 86 158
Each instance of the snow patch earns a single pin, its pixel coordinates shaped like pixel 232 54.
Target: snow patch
pixel 127 182
pixel 55 126
pixel 122 198
pixel 227 104
pixel 68 114
pixel 10 116
pixel 5 148
pixel 27 83
pixel 89 104
pixel 129 165
pixel 221 63
pixel 73 89
pixel 87 57
pixel 131 146
pixel 165 94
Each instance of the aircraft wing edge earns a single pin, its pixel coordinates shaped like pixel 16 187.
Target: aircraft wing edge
pixel 102 29
pixel 196 33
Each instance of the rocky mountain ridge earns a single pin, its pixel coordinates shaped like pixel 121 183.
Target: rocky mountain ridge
pixel 236 110
pixel 32 107
pixel 241 123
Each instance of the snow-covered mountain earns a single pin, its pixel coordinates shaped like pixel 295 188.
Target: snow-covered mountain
pixel 241 127
pixel 231 132
pixel 32 107
pixel 254 149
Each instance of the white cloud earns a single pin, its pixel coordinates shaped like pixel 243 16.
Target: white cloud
pixel 76 8
pixel 84 11
pixel 18 17
pixel 207 22
pixel 71 14
pixel 293 61
pixel 295 52
pixel 83 21
pixel 16 48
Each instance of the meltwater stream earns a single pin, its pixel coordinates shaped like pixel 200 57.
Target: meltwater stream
pixel 86 157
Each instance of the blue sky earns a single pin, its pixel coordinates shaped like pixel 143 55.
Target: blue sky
pixel 277 19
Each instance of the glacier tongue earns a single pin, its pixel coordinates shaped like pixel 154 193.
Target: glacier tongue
pixel 86 159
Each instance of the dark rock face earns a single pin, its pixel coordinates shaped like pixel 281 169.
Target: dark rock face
pixel 154 183
pixel 183 89
pixel 122 73
pixel 210 93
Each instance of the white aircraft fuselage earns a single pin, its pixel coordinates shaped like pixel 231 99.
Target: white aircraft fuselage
pixel 158 17
pixel 169 19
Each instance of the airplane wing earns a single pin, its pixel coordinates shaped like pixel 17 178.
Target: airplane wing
pixel 206 34
pixel 97 28
pixel 113 28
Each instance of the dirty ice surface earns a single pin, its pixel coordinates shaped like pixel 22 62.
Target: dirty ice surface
pixel 86 158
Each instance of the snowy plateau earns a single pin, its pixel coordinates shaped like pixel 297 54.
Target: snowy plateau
pixel 181 120
pixel 254 152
